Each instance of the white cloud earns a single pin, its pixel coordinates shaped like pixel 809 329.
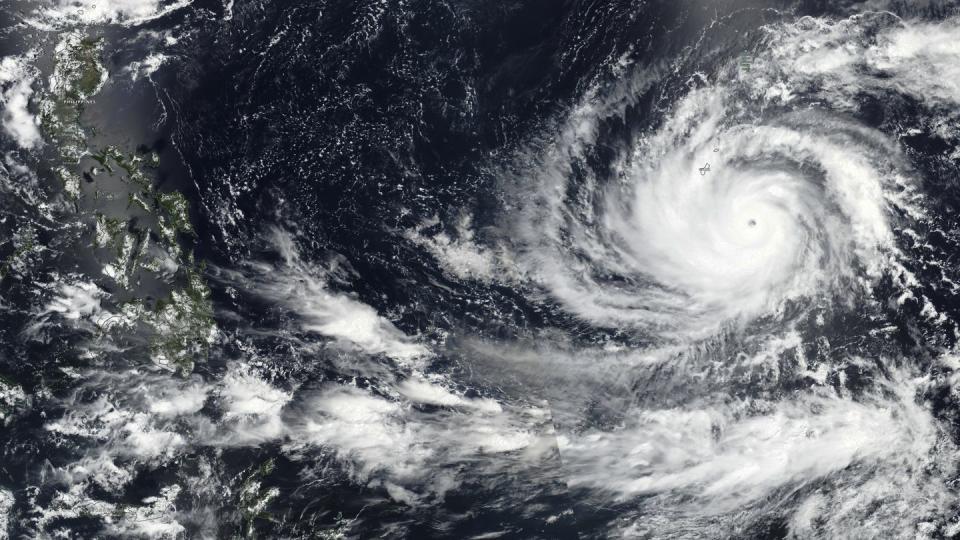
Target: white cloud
pixel 460 255
pixel 714 459
pixel 125 12
pixel 420 390
pixel 6 505
pixel 77 300
pixel 411 453
pixel 253 409
pixel 302 287
pixel 872 51
pixel 16 80
pixel 146 67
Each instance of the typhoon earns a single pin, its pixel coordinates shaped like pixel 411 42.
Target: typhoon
pixel 522 270
pixel 719 217
pixel 763 204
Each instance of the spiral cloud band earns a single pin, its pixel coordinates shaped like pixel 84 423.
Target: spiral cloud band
pixel 720 214
pixel 747 209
